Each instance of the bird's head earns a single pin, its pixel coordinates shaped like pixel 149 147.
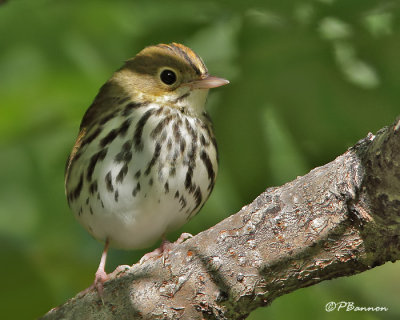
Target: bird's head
pixel 168 73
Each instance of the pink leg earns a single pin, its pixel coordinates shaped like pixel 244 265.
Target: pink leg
pixel 165 247
pixel 101 276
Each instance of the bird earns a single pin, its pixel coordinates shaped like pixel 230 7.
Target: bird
pixel 145 159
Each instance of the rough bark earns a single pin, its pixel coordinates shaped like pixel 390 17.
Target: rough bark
pixel 339 219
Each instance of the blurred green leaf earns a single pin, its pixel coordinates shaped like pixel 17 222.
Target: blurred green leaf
pixel 286 161
pixel 332 28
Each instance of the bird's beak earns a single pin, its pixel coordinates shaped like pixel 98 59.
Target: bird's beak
pixel 207 82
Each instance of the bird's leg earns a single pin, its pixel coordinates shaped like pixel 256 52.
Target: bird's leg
pixel 165 247
pixel 101 276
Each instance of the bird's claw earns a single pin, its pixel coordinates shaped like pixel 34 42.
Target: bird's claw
pixel 165 248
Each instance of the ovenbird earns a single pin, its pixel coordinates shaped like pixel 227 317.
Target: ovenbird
pixel 145 159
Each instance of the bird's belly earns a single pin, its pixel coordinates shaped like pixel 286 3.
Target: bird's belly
pixel 135 196
pixel 136 212
pixel 133 222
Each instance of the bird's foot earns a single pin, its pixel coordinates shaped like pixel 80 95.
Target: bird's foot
pixel 156 252
pixel 165 248
pixel 184 236
pixel 100 277
pixel 123 268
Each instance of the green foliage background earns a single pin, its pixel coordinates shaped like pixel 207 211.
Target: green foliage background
pixel 308 79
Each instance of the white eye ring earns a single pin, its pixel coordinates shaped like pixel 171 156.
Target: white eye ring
pixel 168 76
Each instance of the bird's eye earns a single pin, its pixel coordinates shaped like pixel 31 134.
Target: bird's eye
pixel 168 77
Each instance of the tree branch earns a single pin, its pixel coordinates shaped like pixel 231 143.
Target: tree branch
pixel 337 220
